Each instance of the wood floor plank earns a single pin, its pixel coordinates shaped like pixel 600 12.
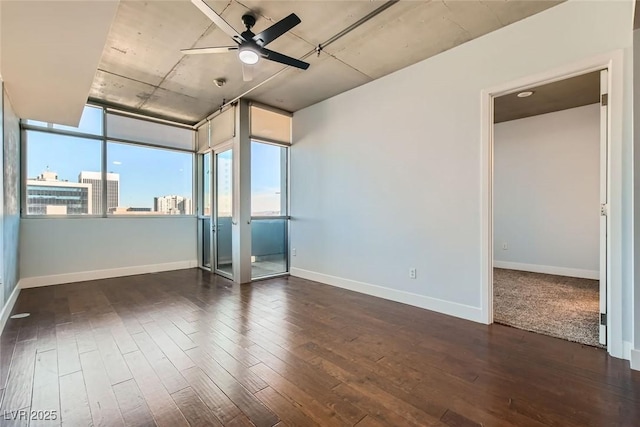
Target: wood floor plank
pixel 166 371
pixel 290 413
pixel 133 407
pixel 195 411
pixel 74 404
pixel 114 363
pixel 186 347
pixel 7 346
pixel 68 357
pixel 84 333
pixel 259 415
pixel 250 381
pixel 174 353
pixel 46 337
pixel 314 382
pixel 162 406
pixel 20 382
pixel 45 398
pixel 321 414
pixel 102 401
pixel 178 337
pixel 62 312
pixel 211 334
pixel 219 403
pixel 369 421
pixel 454 419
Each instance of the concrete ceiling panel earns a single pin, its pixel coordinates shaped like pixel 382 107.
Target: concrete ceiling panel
pixel 142 67
pixel 403 35
pixel 194 74
pixel 181 107
pixel 119 90
pixel 146 37
pixel 511 11
pixel 320 19
pixel 410 32
pixel 296 89
pixel 143 98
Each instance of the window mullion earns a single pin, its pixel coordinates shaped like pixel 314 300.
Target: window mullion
pixel 104 164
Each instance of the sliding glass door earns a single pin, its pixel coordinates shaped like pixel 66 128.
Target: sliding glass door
pixel 223 213
pixel 204 214
pixel 269 210
pixel 215 218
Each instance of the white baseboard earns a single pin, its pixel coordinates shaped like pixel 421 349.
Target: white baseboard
pixel 8 306
pixel 441 306
pixel 548 269
pixel 83 276
pixel 627 346
pixel 635 359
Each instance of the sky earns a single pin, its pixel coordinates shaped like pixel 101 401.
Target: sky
pixel 145 172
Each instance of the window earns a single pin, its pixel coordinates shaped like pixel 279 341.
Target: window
pixel 148 180
pixel 90 123
pixel 55 165
pixel 268 180
pixel 268 199
pixel 65 176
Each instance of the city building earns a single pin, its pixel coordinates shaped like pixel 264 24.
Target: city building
pixel 47 195
pixel 172 205
pixel 113 189
pixel 130 211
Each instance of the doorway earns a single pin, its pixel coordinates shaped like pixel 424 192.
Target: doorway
pixel 550 208
pixel 216 219
pixel 223 213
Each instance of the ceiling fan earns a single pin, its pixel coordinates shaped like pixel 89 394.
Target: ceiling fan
pixel 250 46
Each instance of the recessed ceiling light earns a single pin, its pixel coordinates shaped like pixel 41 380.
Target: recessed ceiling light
pixel 525 94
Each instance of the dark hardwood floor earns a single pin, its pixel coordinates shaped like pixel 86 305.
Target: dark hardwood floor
pixel 188 348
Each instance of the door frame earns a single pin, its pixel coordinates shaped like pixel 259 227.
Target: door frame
pixel 200 213
pixel 218 149
pixel 614 63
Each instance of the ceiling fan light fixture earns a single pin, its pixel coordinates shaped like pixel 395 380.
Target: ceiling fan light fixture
pixel 248 55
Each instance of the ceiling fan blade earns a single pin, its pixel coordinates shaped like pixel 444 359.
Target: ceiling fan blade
pixel 276 30
pixel 217 19
pixel 284 59
pixel 247 72
pixel 201 50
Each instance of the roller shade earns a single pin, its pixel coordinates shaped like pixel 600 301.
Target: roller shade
pixel 136 130
pixel 203 137
pixel 223 126
pixel 269 125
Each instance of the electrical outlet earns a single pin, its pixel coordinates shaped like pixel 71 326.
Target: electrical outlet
pixel 293 252
pixel 412 273
pixel 505 246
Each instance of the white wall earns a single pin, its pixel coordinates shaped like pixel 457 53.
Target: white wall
pixel 388 176
pixel 635 361
pixel 547 192
pixel 73 249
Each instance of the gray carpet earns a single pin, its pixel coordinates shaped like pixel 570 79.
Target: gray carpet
pixel 563 307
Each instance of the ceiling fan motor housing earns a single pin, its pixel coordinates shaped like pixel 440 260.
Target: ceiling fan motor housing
pixel 249 21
